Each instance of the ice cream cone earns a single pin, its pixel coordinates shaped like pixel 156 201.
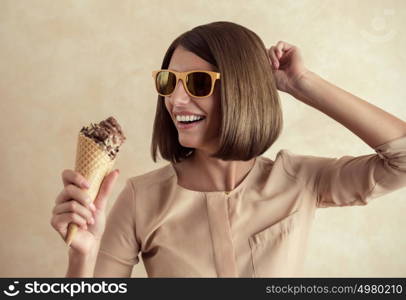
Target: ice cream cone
pixel 94 164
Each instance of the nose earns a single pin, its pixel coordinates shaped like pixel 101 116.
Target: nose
pixel 179 95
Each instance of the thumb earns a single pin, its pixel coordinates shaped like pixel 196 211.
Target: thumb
pixel 105 189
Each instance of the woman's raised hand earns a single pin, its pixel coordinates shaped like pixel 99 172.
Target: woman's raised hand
pixel 287 65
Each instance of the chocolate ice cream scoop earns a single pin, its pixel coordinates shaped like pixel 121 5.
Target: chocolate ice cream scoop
pixel 107 134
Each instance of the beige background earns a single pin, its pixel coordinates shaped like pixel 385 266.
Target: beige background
pixel 65 63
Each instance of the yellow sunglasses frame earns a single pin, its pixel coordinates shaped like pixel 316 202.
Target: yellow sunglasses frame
pixel 182 76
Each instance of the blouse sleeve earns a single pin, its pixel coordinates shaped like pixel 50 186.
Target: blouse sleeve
pixel 350 180
pixel 119 247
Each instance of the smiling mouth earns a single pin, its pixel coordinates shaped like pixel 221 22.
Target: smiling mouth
pixel 190 122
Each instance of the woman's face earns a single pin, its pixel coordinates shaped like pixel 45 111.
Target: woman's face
pixel 204 135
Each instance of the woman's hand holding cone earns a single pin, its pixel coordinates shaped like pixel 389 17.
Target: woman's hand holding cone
pixel 73 205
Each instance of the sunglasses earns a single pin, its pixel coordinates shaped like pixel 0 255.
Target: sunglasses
pixel 197 83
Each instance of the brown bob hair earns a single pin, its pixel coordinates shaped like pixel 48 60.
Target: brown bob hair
pixel 251 115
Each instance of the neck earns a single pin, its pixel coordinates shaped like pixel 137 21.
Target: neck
pixel 212 174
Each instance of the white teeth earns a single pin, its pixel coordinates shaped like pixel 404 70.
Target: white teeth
pixel 188 118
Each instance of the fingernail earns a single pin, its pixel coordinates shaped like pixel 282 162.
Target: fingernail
pixel 118 171
pixel 92 207
pixel 275 64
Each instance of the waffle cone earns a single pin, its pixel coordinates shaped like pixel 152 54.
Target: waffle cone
pixel 92 163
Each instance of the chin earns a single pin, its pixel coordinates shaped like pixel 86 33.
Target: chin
pixel 189 145
pixel 189 142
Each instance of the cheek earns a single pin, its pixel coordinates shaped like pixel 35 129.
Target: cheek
pixel 212 106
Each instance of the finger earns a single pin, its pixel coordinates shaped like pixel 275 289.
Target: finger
pixel 73 177
pixel 74 207
pixel 282 46
pixel 272 55
pixel 73 192
pixel 61 222
pixel 105 189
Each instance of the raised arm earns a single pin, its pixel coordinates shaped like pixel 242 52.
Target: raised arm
pixel 369 122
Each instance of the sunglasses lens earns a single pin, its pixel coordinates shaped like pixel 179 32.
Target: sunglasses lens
pixel 165 82
pixel 199 83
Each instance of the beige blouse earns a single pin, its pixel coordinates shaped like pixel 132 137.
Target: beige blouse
pixel 260 229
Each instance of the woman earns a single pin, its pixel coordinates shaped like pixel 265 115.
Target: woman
pixel 220 209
